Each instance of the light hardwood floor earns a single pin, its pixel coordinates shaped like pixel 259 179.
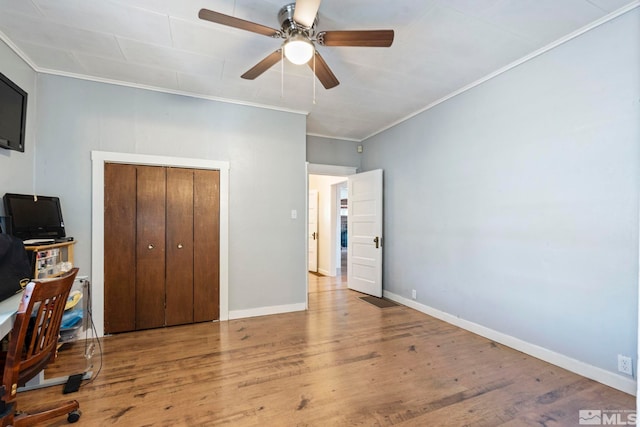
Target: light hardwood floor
pixel 343 362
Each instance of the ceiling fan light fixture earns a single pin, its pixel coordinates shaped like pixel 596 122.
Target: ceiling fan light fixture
pixel 298 49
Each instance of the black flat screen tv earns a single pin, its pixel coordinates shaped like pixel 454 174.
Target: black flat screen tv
pixel 34 217
pixel 13 115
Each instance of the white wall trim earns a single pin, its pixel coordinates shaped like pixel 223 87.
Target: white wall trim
pixel 96 79
pixel 611 379
pixel 266 311
pixel 338 138
pixel 611 16
pixel 514 64
pixel 318 169
pixel 99 158
pixel 306 237
pixel 18 52
pixel 170 91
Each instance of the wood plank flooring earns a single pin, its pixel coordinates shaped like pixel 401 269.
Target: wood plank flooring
pixel 344 362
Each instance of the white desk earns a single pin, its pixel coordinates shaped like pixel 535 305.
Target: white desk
pixel 8 310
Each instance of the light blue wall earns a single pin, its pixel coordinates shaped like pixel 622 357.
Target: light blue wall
pixel 328 151
pixel 265 149
pixel 16 169
pixel 515 204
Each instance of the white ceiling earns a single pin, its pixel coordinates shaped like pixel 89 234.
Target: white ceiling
pixel 440 47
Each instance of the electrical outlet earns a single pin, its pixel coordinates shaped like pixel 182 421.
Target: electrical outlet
pixel 413 294
pixel 625 365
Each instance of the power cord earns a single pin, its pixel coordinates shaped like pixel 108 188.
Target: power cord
pixel 89 347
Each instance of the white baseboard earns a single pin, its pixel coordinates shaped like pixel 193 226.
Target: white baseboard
pixel 325 272
pixel 265 311
pixel 611 379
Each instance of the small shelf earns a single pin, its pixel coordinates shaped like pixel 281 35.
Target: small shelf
pixel 51 260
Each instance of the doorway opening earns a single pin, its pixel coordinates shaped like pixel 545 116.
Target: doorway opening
pixel 344 235
pixel 327 218
pixel 332 260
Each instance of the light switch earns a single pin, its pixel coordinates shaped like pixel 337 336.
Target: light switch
pixel 294 214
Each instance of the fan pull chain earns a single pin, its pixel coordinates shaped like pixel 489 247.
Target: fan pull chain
pixel 282 73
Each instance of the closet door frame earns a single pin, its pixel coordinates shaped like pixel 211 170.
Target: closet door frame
pixel 99 158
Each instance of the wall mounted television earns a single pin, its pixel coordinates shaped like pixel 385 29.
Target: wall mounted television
pixel 34 217
pixel 13 115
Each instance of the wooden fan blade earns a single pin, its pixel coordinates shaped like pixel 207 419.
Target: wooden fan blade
pixel 305 12
pixel 230 21
pixel 366 38
pixel 263 65
pixel 323 72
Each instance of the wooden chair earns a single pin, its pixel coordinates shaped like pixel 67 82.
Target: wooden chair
pixel 32 345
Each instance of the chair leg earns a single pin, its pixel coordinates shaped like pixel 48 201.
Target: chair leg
pixel 7 413
pixel 30 419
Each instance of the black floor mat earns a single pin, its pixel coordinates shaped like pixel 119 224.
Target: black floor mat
pixel 379 302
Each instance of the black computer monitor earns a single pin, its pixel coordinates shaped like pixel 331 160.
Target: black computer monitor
pixel 34 217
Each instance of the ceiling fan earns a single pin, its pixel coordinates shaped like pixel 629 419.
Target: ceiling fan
pixel 298 29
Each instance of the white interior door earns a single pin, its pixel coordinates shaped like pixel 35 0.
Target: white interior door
pixel 313 231
pixel 364 228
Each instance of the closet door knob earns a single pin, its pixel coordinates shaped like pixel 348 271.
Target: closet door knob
pixel 150 246
pixel 179 245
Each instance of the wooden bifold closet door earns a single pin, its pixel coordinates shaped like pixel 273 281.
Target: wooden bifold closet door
pixel 161 246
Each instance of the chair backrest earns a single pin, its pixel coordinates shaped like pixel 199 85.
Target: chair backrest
pixel 35 333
